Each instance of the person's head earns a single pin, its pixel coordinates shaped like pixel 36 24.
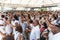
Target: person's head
pixel 35 22
pixel 22 18
pixel 14 18
pixel 19 29
pixel 6 18
pixel 10 16
pixel 45 25
pixel 2 16
pixel 16 24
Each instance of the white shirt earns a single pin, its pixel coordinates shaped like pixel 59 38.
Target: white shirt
pixel 16 35
pixel 8 29
pixel 1 21
pixel 54 22
pixel 50 35
pixel 58 15
pixel 2 29
pixel 35 33
pixel 24 25
pixel 56 36
pixel 13 23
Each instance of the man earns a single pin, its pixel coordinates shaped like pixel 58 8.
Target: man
pixel 2 28
pixel 8 28
pixel 35 32
pixel 23 25
pixel 55 29
pixel 13 24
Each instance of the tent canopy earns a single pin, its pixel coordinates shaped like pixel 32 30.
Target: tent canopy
pixel 29 3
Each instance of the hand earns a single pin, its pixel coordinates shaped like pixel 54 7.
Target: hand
pixel 3 35
pixel 7 21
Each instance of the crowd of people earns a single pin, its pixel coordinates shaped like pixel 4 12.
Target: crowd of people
pixel 30 25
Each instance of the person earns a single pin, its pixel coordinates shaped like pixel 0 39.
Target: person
pixel 8 30
pixel 55 19
pixel 18 34
pixel 13 24
pixel 2 28
pixel 16 16
pixel 28 29
pixel 55 29
pixel 35 32
pixel 2 16
pixel 44 35
pixel 23 25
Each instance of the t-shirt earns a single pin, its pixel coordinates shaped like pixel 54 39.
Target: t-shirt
pixel 56 36
pixel 24 25
pixel 8 29
pixel 35 33
pixel 13 23
pixel 50 35
pixel 1 22
pixel 2 29
pixel 16 35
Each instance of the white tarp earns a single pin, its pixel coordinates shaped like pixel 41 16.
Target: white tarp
pixel 31 3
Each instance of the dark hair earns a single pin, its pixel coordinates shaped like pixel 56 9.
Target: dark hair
pixel 55 16
pixel 40 17
pixel 57 26
pixel 19 29
pixel 2 16
pixel 28 16
pixel 6 18
pixel 45 25
pixel 16 17
pixel 31 21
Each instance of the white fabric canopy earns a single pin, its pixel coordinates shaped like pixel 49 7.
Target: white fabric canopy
pixel 30 3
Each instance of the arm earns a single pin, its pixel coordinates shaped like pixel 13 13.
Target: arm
pixel 1 24
pixel 28 30
pixel 48 22
pixel 10 24
pixel 2 34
